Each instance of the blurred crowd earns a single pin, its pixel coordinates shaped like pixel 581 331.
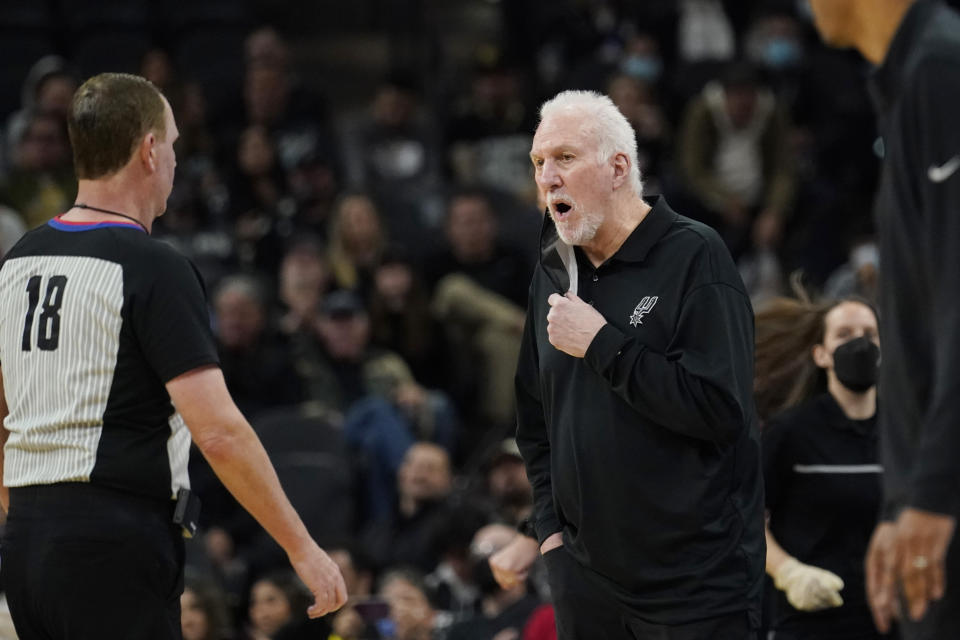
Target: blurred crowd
pixel 367 268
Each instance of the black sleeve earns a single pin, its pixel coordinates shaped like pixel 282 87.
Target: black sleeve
pixel 170 318
pixel 775 451
pixel 935 485
pixel 532 437
pixel 702 387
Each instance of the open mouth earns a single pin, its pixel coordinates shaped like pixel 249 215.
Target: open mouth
pixel 561 209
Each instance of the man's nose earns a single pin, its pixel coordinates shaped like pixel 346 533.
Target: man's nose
pixel 548 176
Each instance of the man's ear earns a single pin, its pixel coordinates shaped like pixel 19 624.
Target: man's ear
pixel 148 153
pixel 621 170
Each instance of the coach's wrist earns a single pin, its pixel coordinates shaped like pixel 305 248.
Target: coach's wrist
pixel 552 542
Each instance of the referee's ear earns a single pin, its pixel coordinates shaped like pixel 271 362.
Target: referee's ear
pixel 147 152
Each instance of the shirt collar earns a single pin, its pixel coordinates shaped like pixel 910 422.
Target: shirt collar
pixel 648 233
pixel 838 419
pixel 888 79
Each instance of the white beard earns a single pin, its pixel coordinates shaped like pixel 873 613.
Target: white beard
pixel 580 232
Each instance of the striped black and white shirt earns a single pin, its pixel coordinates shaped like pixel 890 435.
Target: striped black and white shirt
pixel 95 318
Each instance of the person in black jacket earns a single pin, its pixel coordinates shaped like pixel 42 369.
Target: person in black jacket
pixel 636 418
pixel 916 90
pixel 820 458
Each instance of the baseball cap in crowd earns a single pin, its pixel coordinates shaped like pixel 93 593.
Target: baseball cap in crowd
pixel 342 304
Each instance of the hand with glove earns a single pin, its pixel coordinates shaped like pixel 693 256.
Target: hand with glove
pixel 808 588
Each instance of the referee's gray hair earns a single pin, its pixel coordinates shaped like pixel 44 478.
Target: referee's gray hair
pixel 603 121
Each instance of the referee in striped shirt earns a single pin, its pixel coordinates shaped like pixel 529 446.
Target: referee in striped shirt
pixel 107 368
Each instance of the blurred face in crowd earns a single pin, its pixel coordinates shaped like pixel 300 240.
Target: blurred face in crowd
pixel 410 610
pixel 313 181
pixel 359 225
pixel 425 473
pixel 626 93
pixel 193 105
pixel 157 68
pixel 496 90
pixel 345 335
pixel 54 95
pixel 471 229
pixel 508 483
pixel 193 619
pixel 834 19
pixel 776 42
pixel 741 103
pixel 255 153
pixel 44 145
pixel 393 282
pixel 845 322
pixel 394 106
pixel 303 278
pixel 240 319
pixel 265 47
pixel 266 91
pixel 576 187
pixel 270 609
pixel 641 59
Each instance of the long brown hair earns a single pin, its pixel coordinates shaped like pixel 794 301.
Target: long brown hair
pixel 787 329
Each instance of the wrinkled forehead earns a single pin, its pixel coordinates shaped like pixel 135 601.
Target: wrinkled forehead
pixel 567 129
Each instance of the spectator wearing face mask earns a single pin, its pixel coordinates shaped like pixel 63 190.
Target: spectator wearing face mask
pixel 638 100
pixel 821 464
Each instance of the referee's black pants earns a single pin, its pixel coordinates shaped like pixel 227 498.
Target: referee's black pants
pixel 584 612
pixel 82 562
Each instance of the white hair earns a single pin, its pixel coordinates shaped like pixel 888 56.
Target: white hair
pixel 603 122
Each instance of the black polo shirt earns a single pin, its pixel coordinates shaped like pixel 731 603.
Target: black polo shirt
pixel 823 487
pixel 645 452
pixel 917 94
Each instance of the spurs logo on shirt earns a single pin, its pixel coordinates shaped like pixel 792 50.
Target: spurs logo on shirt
pixel 642 309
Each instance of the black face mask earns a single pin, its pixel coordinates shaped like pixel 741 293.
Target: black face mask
pixel 483 577
pixel 857 364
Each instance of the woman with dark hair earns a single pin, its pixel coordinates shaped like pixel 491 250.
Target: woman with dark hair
pixel 278 607
pixel 203 612
pixel 820 462
pixel 401 319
